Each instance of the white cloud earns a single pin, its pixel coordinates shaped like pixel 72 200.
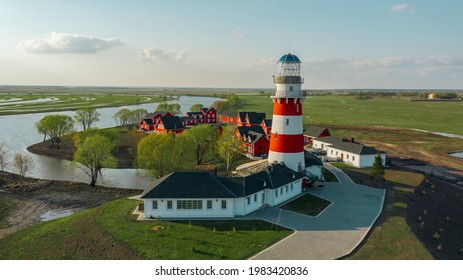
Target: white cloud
pixel 59 43
pixel 431 60
pixel 400 7
pixel 153 54
pixel 238 33
pixel 264 62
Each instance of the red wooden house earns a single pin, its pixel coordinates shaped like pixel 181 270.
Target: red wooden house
pixel 228 117
pixel 267 126
pixel 198 116
pixel 168 124
pixel 250 118
pixel 210 115
pixel 254 142
pixel 313 132
pixel 148 125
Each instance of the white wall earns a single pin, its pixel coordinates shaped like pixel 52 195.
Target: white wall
pixel 353 159
pixel 319 145
pixel 297 189
pixel 215 212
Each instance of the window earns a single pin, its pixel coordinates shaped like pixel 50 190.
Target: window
pixel 347 156
pixel 281 190
pixel 155 205
pixel 336 153
pixel 287 121
pixel 291 187
pixel 297 107
pixel 286 188
pixel 169 204
pixel 331 151
pixel 189 204
pixel 291 88
pixel 224 204
pixel 255 197
pixel 276 135
pixel 209 205
pixel 353 157
pixel 248 200
pixel 276 193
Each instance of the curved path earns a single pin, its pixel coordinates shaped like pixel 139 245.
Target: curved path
pixel 336 232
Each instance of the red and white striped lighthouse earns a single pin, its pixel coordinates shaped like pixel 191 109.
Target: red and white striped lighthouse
pixel 287 139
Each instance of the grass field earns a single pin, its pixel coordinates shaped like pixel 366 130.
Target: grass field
pixel 34 103
pixel 389 112
pixel 110 232
pixel 308 204
pixel 392 238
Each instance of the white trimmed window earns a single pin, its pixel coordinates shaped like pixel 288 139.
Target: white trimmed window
pixel 155 205
pixel 248 200
pixel 189 204
pixel 281 190
pixel 291 187
pixel 209 205
pixel 286 188
pixel 169 204
pixel 224 204
pixel 276 193
pixel 255 197
pixel 353 157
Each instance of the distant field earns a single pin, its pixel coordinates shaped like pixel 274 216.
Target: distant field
pixel 390 112
pixel 35 103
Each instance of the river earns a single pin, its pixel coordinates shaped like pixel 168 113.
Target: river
pixel 18 132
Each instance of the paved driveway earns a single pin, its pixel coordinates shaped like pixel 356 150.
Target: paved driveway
pixel 336 232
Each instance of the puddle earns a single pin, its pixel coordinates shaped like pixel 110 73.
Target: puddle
pixel 51 215
pixel 440 133
pixel 458 155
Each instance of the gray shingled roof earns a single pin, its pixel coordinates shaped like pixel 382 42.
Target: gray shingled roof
pixel 187 185
pixel 244 130
pixel 311 159
pixel 314 131
pixel 355 148
pixel 171 123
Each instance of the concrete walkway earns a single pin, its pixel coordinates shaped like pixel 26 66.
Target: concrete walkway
pixel 336 232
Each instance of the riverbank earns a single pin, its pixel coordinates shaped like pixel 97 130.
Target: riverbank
pixel 24 200
pixel 125 151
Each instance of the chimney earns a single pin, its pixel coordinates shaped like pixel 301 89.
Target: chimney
pixel 352 140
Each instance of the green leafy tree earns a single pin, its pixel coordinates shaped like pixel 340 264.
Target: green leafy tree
pixel 54 127
pixel 377 171
pixel 174 108
pixel 113 134
pixel 228 147
pixel 163 107
pixel 196 107
pixel 87 116
pixel 202 139
pixel 23 163
pixel 93 155
pixel 162 154
pixel 220 105
pixel 122 117
pixel 4 156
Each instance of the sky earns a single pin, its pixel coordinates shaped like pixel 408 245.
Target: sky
pixel 232 44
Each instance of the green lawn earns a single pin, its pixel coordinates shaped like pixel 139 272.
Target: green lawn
pixel 392 238
pixel 308 204
pixel 389 112
pixel 110 232
pixel 329 176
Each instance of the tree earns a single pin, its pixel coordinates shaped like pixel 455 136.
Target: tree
pixel 87 117
pixel 113 134
pixel 55 126
pixel 202 138
pixel 122 117
pixel 174 108
pixel 135 116
pixel 163 107
pixel 4 155
pixel 95 154
pixel 220 105
pixel 162 154
pixel 228 147
pixel 196 107
pixel 23 163
pixel 377 171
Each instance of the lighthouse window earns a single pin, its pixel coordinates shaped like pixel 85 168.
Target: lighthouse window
pixel 291 88
pixel 287 121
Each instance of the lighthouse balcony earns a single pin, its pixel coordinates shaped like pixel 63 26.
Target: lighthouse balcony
pixel 286 94
pixel 288 80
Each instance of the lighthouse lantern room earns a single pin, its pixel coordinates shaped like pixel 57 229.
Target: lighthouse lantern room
pixel 287 140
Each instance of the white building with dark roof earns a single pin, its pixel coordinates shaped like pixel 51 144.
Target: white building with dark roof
pixel 349 152
pixel 202 195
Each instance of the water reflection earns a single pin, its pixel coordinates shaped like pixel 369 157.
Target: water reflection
pixel 17 132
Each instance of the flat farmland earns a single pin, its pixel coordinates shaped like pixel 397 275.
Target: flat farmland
pixel 389 112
